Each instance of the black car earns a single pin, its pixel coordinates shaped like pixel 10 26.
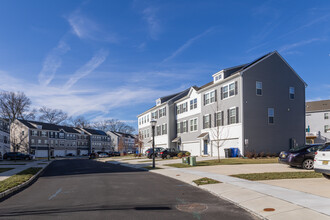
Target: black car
pixel 301 156
pixel 17 156
pixel 93 155
pixel 169 153
pixel 157 150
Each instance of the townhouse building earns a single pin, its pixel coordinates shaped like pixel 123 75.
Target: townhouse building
pixel 165 130
pixel 318 121
pixel 99 140
pixel 39 138
pixel 4 136
pixel 122 142
pixel 255 107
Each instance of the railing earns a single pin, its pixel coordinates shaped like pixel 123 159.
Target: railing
pixel 308 134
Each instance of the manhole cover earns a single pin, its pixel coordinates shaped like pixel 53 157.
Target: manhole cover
pixel 192 208
pixel 177 174
pixel 269 209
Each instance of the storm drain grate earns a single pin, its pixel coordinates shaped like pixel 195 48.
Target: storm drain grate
pixel 192 208
pixel 269 209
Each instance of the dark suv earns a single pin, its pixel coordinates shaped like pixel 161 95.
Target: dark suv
pixel 150 152
pixel 301 156
pixel 17 156
pixel 169 153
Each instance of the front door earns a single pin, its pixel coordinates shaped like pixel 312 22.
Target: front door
pixel 205 147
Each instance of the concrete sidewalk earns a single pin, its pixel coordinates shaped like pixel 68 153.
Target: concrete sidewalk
pixel 19 168
pixel 251 195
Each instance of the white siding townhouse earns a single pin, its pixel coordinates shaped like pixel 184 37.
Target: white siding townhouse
pixel 126 140
pixel 318 121
pixel 256 107
pixel 4 136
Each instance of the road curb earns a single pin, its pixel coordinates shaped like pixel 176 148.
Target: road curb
pixel 15 189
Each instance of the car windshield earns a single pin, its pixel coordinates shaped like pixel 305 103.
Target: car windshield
pixel 299 148
pixel 325 148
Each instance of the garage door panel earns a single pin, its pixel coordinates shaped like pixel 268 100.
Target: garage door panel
pixel 41 153
pixel 59 153
pixel 193 148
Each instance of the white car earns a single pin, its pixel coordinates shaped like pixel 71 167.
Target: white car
pixel 322 161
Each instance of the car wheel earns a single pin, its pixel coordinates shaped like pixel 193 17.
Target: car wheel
pixel 308 164
pixel 168 157
pixel 327 176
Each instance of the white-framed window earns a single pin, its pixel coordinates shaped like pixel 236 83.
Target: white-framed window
pixel 193 104
pixel 32 141
pixel 231 89
pixel 181 108
pixel 219 118
pixel 326 115
pixel 34 133
pixel 206 98
pixel 271 114
pixel 147 118
pixel 225 93
pixel 164 129
pixel 291 93
pixel 326 128
pixel 232 116
pixel 185 126
pixel 259 88
pixel 193 124
pixel 46 141
pixel 178 127
pixel 210 97
pixel 39 141
pixel 206 121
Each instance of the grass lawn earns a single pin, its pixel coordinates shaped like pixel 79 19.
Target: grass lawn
pixel 205 180
pixel 18 179
pixel 278 175
pixel 5 169
pixel 228 161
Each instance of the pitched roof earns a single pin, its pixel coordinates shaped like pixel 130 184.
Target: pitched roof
pixel 314 106
pixel 94 131
pixel 123 134
pixel 47 126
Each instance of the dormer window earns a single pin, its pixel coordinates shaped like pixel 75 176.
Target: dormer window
pixel 218 76
pixel 158 102
pixel 39 127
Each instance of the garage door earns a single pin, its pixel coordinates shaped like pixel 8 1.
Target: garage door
pixel 41 153
pixel 59 153
pixel 74 152
pixel 227 144
pixel 83 152
pixel 193 148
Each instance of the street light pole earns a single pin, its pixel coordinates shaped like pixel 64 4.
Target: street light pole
pixel 153 125
pixel 48 152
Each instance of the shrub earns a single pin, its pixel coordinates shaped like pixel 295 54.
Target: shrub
pixel 262 154
pixel 249 154
pixel 180 155
pixel 188 154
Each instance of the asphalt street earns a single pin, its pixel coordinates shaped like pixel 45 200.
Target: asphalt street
pixel 86 189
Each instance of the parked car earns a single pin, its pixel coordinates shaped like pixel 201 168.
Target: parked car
pixel 93 155
pixel 322 161
pixel 17 156
pixel 116 153
pixel 157 150
pixel 301 156
pixel 103 155
pixel 169 153
pixel 70 155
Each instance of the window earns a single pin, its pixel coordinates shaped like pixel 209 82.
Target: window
pixel 206 98
pixel 147 118
pixel 259 88
pixel 46 141
pixel 147 132
pixel 185 126
pixel 219 118
pixel 232 116
pixel 164 129
pixel 39 141
pixel 225 92
pixel 270 116
pixel 32 141
pixel 178 127
pixel 182 108
pixel 326 128
pixel 22 132
pixel 193 124
pixel 291 91
pixel 231 89
pixel 209 97
pixel 326 115
pixel 207 121
pixel 193 104
pixel 34 133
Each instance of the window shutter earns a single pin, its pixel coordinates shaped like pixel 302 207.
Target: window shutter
pixel 228 121
pixel 237 121
pixel 236 89
pixel 181 127
pixel 203 122
pixel 210 122
pixel 221 93
pixel 204 99
pixel 215 95
pixel 215 119
pixel 187 126
pixel 222 119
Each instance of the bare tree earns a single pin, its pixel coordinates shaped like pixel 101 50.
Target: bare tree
pixel 114 125
pixel 53 116
pixel 139 142
pixel 15 105
pixel 18 138
pixel 80 122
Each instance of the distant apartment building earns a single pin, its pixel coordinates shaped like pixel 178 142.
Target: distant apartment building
pixel 255 107
pixel 122 142
pixel 38 138
pixel 318 121
pixel 4 136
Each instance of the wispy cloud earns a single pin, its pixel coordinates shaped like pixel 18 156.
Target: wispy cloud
pixel 288 47
pixel 86 69
pixel 86 28
pixel 52 62
pixel 187 44
pixel 150 16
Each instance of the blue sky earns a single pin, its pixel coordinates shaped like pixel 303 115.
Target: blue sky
pixel 113 59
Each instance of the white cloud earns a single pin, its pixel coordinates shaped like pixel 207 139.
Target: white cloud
pixel 52 62
pixel 149 14
pixel 187 44
pixel 86 28
pixel 86 69
pixel 288 47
